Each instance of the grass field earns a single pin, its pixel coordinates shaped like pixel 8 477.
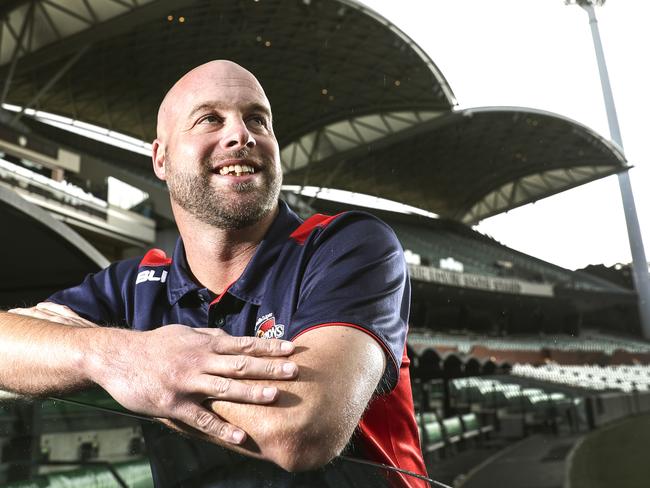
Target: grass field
pixel 615 456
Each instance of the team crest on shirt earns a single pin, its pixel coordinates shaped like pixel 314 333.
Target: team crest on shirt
pixel 266 328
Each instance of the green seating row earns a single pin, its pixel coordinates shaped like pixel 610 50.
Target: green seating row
pixel 436 434
pixel 136 474
pixel 496 395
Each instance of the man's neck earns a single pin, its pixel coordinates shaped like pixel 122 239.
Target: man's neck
pixel 217 257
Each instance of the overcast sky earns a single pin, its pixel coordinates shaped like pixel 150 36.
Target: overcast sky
pixel 539 54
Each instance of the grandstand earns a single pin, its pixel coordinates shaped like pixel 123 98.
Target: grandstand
pixel 504 346
pixel 468 283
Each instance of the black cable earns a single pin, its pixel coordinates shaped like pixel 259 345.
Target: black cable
pixel 103 409
pixel 393 468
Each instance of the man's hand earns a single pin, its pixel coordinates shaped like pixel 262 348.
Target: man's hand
pixel 171 372
pixel 315 415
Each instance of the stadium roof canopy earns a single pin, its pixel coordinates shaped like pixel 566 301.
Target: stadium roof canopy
pixel 319 61
pixel 465 165
pixel 357 104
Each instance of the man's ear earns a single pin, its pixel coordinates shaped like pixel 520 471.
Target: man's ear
pixel 158 158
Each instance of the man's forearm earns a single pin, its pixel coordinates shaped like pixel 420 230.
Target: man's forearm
pixel 39 358
pixel 164 373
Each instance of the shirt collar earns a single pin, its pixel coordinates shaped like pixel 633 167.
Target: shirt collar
pixel 251 284
pixel 180 281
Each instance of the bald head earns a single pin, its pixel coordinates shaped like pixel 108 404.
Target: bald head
pixel 216 149
pixel 182 98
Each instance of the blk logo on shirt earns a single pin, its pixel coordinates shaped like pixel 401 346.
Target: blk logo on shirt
pixel 150 275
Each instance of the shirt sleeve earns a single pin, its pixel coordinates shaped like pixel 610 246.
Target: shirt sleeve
pixel 357 276
pixel 101 297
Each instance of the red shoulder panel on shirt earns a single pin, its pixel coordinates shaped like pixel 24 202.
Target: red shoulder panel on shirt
pixel 301 234
pixel 155 257
pixel 395 442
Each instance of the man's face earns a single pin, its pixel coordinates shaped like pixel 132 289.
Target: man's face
pixel 221 158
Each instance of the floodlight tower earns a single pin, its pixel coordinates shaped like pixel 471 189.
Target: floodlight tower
pixel 639 261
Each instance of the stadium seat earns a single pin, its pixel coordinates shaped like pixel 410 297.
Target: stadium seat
pixel 453 429
pixel 433 439
pixel 472 427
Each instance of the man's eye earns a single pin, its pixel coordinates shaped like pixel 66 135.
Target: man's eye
pixel 258 120
pixel 209 119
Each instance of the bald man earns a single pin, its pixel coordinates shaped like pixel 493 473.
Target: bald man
pixel 262 334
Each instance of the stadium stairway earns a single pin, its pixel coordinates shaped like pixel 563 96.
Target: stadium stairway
pixel 538 461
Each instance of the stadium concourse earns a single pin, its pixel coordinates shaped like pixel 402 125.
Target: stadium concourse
pixel 511 355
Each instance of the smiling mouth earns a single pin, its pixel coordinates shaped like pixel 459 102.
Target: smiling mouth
pixel 236 170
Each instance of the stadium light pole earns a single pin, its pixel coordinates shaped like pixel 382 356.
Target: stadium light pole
pixel 639 261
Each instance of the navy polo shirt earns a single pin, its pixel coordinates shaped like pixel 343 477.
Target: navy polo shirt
pixel 346 270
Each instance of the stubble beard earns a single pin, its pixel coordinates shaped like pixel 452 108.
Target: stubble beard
pixel 195 194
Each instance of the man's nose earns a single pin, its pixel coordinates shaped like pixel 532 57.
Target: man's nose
pixel 238 136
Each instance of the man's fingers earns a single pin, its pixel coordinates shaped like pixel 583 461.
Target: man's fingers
pixel 21 311
pixel 255 346
pixel 55 307
pixel 47 307
pixel 209 424
pixel 250 367
pixel 54 313
pixel 31 312
pixel 252 346
pixel 220 388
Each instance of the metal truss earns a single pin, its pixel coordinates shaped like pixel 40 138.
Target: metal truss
pixel 30 26
pixel 339 139
pixel 33 24
pixel 530 188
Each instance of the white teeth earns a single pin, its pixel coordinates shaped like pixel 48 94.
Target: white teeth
pixel 237 169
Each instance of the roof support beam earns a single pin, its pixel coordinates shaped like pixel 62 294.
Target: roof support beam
pixel 387 139
pixel 531 190
pixel 99 31
pixel 67 11
pixel 91 12
pixel 513 193
pixel 50 22
pixel 312 154
pixel 328 181
pixel 64 69
pixel 29 18
pixel 10 5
